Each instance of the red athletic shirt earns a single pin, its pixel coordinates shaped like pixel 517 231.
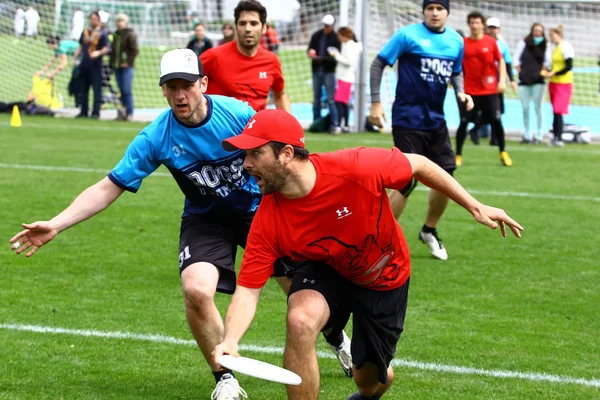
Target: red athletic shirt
pixel 346 221
pixel 480 66
pixel 249 79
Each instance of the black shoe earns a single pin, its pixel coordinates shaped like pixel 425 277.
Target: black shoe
pixel 525 141
pixel 95 116
pixel 357 396
pixel 80 115
pixel 474 136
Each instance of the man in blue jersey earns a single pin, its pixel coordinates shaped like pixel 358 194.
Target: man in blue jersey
pixel 429 55
pixel 220 196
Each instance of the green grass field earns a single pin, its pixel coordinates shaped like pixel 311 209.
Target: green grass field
pixel 501 319
pixel 21 59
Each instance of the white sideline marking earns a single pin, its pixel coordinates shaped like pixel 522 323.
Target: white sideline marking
pixel 453 369
pixel 419 188
pixel 386 138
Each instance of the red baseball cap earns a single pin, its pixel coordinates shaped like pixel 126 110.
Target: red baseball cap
pixel 271 125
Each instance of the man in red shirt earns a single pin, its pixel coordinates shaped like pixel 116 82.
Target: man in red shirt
pixel 331 213
pixel 485 77
pixel 242 68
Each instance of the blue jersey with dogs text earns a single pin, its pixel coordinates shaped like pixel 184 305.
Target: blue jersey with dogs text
pixel 426 61
pixel 212 179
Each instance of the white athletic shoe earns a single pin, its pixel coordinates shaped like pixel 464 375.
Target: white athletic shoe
pixel 435 245
pixel 228 388
pixel 344 355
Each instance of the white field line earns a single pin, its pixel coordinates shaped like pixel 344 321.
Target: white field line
pixel 419 188
pixel 385 139
pixel 453 369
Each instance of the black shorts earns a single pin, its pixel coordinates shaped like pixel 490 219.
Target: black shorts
pixel 215 240
pixel 486 109
pixel 378 316
pixel 433 144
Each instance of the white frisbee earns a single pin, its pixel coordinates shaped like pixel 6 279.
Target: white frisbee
pixel 260 369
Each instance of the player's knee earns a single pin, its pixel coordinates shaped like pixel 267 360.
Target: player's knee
pixel 198 297
pixel 303 324
pixel 407 190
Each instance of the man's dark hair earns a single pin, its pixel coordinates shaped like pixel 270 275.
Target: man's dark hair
pixel 96 13
pixel 250 5
pixel 53 39
pixel 300 153
pixel 476 15
pixel 200 24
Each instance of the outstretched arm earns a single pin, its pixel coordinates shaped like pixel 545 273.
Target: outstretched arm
pixel 430 174
pixel 240 314
pixel 89 203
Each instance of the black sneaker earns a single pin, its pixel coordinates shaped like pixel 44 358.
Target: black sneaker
pixel 474 135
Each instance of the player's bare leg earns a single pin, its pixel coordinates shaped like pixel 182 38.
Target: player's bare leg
pixel 367 382
pixel 398 202
pixel 339 344
pixel 437 205
pixel 199 284
pixel 308 313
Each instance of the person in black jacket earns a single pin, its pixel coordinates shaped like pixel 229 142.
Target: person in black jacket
pixel 323 69
pixel 200 43
pixel 124 50
pixel 531 58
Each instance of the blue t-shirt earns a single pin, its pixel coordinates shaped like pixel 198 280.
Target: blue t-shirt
pixel 505 51
pixel 426 61
pixel 213 180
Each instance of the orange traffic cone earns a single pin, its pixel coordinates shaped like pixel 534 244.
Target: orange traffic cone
pixel 15 119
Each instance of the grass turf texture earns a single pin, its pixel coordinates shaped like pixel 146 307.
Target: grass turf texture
pixel 528 305
pixel 32 56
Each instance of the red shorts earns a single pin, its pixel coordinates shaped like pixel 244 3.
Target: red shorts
pixel 560 97
pixel 343 92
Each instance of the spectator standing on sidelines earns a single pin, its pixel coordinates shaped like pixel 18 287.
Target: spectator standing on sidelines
pixel 78 24
pixel 124 50
pixel 532 58
pixel 33 20
pixel 200 43
pixel 485 77
pixel 323 69
pixel 493 29
pixel 228 34
pixel 347 60
pixel 429 55
pixel 62 50
pixel 93 45
pixel 242 68
pixel 331 212
pixel 561 81
pixel 19 22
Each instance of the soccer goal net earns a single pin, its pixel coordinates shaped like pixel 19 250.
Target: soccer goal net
pixel 166 24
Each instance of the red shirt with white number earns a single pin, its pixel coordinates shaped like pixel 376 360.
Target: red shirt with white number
pixel 346 221
pixel 230 73
pixel 480 66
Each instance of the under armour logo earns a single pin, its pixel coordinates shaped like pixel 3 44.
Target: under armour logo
pixel 306 280
pixel 250 124
pixel 301 140
pixel 189 58
pixel 262 75
pixel 426 42
pixel 343 213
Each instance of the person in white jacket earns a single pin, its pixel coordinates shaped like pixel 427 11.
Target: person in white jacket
pixel 347 63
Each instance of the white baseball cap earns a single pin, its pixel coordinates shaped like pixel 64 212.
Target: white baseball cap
pixel 180 64
pixel 328 20
pixel 104 16
pixel 493 22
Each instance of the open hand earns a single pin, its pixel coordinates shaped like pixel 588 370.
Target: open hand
pixel 35 236
pixel 494 217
